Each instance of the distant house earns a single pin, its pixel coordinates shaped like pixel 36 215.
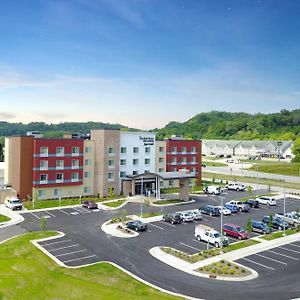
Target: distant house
pixel 248 148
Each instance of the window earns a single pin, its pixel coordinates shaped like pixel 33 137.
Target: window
pixel 174 160
pixel 111 163
pixel 147 171
pixel 160 170
pixel 110 176
pixel 193 169
pixel 43 178
pixel 44 165
pixel 147 161
pixel 135 161
pixel 41 193
pixel 161 149
pixel 123 150
pixel 111 150
pixel 87 189
pixel 57 192
pixel 88 149
pixel 75 177
pixel 123 162
pixel 161 159
pixel 183 149
pixel 59 177
pixel 122 174
pixel 87 162
pixel 75 163
pixel 87 174
pixel 174 149
pixel 60 151
pixel 193 159
pixel 44 151
pixel 134 172
pixel 183 160
pixel 171 182
pixel 75 151
pixel 147 150
pixel 135 150
pixel 193 149
pixel 174 169
pixel 59 164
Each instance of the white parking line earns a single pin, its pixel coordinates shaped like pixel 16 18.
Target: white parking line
pixel 155 225
pixel 269 258
pixel 71 252
pixel 256 263
pixel 80 258
pixel 57 242
pixel 189 246
pixel 287 249
pixel 295 245
pixel 64 212
pixel 52 215
pixel 35 215
pixel 167 224
pixel 294 258
pixel 75 213
pixel 82 211
pixel 75 245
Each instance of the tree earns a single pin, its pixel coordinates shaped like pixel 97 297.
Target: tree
pixel 249 225
pixel 250 190
pixel 43 223
pixel 296 150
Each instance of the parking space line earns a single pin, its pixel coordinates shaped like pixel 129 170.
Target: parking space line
pixel 75 245
pixel 167 224
pixel 189 246
pixel 71 252
pixel 287 249
pixel 155 226
pixel 82 211
pixel 256 263
pixel 269 258
pixel 79 258
pixel 35 216
pixel 294 258
pixel 64 212
pixel 57 242
pixel 295 245
pixel 52 215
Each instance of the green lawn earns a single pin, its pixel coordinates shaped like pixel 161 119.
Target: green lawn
pixel 114 203
pixel 214 164
pixel 170 201
pixel 283 168
pixel 27 273
pixel 279 234
pixel 240 245
pixel 151 214
pixel 4 218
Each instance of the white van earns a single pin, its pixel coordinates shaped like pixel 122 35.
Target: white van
pixel 212 189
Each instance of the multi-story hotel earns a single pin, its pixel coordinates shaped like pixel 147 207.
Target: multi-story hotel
pixel 103 163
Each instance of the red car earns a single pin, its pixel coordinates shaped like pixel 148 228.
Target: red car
pixel 235 231
pixel 89 204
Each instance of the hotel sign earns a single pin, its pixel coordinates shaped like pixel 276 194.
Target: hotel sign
pixel 148 141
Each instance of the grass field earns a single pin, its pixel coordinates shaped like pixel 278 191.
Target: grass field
pixel 114 203
pixel 27 273
pixel 283 168
pixel 279 234
pixel 214 164
pixel 4 218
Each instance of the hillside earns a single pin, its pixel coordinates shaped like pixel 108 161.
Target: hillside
pixel 284 125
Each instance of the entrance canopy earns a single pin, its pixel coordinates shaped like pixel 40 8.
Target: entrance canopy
pixel 163 175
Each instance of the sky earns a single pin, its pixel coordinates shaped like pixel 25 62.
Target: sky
pixel 144 63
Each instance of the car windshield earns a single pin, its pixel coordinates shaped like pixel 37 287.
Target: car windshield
pixel 217 235
pixel 16 201
pixel 240 229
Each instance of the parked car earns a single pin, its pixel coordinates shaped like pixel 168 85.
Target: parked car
pixel 186 216
pixel 209 235
pixel 235 231
pixel 228 156
pixel 172 218
pixel 137 225
pixel 220 155
pixel 210 210
pixel 212 189
pixel 232 207
pixel 277 223
pixel 230 161
pixel 260 227
pixel 290 218
pixel 252 203
pixel 89 204
pixel 242 206
pixel 203 165
pixel 266 200
pixel 236 186
pixel 197 214
pixel 13 203
pixel 224 210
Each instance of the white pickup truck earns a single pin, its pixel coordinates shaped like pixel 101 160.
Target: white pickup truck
pixel 291 218
pixel 13 203
pixel 209 235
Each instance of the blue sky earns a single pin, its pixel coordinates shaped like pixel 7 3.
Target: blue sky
pixel 144 63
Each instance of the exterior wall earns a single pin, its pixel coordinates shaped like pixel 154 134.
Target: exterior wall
pixel 105 139
pixel 184 160
pixel 57 192
pixel 88 168
pixel 160 156
pixel 8 161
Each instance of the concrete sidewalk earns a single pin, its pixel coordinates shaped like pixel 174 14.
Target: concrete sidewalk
pixel 15 217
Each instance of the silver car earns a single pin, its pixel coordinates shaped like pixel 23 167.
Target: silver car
pixel 197 214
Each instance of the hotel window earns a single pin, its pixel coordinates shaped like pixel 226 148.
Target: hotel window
pixel 59 164
pixel 183 160
pixel 60 151
pixel 193 149
pixel 123 162
pixel 87 162
pixel 122 174
pixel 147 161
pixel 87 174
pixel 134 172
pixel 174 149
pixel 44 151
pixel 147 150
pixel 75 163
pixel 161 159
pixel 174 160
pixel 75 151
pixel 171 182
pixel 135 161
pixel 87 189
pixel 111 163
pixel 110 176
pixel 57 192
pixel 43 178
pixel 123 150
pixel 135 150
pixel 75 176
pixel 174 169
pixel 160 170
pixel 44 165
pixel 193 170
pixel 193 159
pixel 161 149
pixel 41 193
pixel 88 149
pixel 59 177
pixel 111 150
pixel 147 171
pixel 183 149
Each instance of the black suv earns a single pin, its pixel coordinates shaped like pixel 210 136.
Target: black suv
pixel 260 227
pixel 137 225
pixel 210 210
pixel 172 218
pixel 276 223
pixel 252 203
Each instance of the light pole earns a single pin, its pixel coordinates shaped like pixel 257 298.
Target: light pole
pixel 283 211
pixel 221 244
pixel 256 181
pixel 142 194
pixel 231 172
pixel 242 169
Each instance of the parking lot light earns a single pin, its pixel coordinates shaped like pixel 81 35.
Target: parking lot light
pixel 283 211
pixel 256 181
pixel 221 244
pixel 142 194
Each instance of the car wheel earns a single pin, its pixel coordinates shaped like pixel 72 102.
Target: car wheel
pixel 183 220
pixel 198 238
pixel 239 237
pixel 280 228
pixel 217 245
pixel 240 209
pixel 225 233
pixel 213 193
pixel 264 232
pixel 172 222
pixel 210 214
pixel 295 224
pixel 237 189
pixel 136 229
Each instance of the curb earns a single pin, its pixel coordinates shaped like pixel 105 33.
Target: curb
pixel 172 204
pixel 102 205
pixel 116 232
pixel 15 218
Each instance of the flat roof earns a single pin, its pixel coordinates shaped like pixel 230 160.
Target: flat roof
pixel 164 175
